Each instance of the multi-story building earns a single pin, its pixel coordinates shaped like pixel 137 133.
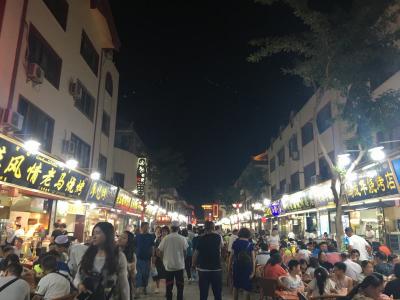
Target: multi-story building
pixel 59 83
pixel 300 176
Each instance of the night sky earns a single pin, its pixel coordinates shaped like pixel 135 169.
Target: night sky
pixel 186 84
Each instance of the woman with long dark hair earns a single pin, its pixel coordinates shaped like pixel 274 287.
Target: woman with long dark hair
pixel 126 243
pixel 103 272
pixel 370 288
pixel 321 284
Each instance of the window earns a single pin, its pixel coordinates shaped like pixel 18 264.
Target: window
pixel 324 118
pixel 282 186
pixel 37 124
pixel 309 171
pixel 82 151
pixel 295 182
pixel 105 124
pixel 89 53
pixel 41 53
pixel 59 8
pixel 293 147
pixel 324 170
pixel 86 102
pixel 109 84
pixel 272 165
pixel 281 156
pixel 307 134
pixel 119 179
pixel 103 165
pixel 274 193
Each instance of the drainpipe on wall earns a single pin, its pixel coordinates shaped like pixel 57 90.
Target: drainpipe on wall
pixel 17 55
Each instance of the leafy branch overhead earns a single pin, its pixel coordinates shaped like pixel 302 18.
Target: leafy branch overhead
pixel 253 181
pixel 168 169
pixel 347 46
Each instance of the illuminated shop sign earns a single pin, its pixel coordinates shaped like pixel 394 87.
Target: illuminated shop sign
pixel 39 172
pixel 102 193
pixel 127 202
pixel 375 182
pixel 141 175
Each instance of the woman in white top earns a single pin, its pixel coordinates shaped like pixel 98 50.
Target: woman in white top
pixel 273 239
pixel 103 270
pixel 321 285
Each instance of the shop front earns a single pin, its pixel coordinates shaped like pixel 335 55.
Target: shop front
pixel 129 210
pixel 31 183
pixel 100 205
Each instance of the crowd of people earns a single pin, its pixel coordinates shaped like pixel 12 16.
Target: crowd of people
pixel 124 267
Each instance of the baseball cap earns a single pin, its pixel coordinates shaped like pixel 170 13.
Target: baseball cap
pixel 61 240
pixel 175 224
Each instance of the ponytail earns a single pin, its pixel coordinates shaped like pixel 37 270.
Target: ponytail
pixel 321 275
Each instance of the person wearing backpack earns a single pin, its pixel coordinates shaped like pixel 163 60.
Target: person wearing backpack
pixel 12 287
pixel 242 263
pixel 103 271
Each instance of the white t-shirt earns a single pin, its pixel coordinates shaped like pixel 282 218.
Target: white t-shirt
pixel 329 286
pixel 370 234
pixel 19 232
pixel 19 290
pixel 274 241
pixel 292 283
pixel 359 243
pixel 53 286
pixel 353 270
pixel 173 247
pixel 232 238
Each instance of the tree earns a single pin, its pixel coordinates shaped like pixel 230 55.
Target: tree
pixel 228 195
pixel 167 169
pixel 253 181
pixel 348 47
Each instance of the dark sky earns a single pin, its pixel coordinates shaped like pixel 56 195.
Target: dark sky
pixel 186 84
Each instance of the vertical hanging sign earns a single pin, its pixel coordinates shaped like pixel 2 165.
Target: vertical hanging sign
pixel 141 176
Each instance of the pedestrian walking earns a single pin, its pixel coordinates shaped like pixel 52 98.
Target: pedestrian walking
pixel 173 251
pixel 126 244
pixel 157 260
pixel 207 259
pixel 102 273
pixel 242 263
pixel 189 255
pixel 144 253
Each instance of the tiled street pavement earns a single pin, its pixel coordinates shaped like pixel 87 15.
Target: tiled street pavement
pixel 191 292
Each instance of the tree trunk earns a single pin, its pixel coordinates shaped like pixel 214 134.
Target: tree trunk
pixel 338 198
pixel 339 225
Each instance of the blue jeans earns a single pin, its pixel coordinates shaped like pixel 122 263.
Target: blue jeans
pixel 213 278
pixel 143 273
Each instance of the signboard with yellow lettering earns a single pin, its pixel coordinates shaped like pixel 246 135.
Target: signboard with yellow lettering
pixel 375 182
pixel 39 172
pixel 127 202
pixel 102 193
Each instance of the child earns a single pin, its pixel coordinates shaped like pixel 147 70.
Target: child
pixel 53 284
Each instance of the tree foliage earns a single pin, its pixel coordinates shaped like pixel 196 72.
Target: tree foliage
pixel 227 195
pixel 253 181
pixel 167 168
pixel 349 47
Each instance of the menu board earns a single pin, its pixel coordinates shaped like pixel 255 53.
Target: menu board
pixel 39 172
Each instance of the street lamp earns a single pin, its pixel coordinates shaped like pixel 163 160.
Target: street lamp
pixel 377 153
pixel 32 146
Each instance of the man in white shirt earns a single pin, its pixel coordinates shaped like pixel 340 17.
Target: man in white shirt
pixel 11 286
pixel 53 285
pixel 173 251
pixel 369 233
pixel 359 243
pixel 232 238
pixel 274 240
pixel 353 270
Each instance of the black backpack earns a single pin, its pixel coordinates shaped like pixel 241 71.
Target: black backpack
pixel 244 259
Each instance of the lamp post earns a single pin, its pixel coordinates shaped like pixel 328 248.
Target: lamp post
pixel 237 206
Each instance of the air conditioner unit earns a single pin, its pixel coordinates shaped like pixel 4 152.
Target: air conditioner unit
pixel 68 147
pixel 75 89
pixel 314 179
pixel 11 120
pixel 295 155
pixel 35 73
